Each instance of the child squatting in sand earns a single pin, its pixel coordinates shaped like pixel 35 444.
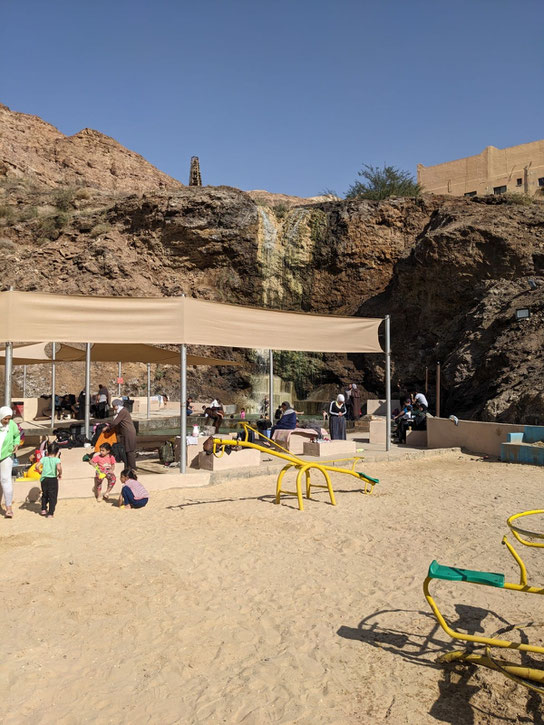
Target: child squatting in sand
pixel 104 464
pixel 133 494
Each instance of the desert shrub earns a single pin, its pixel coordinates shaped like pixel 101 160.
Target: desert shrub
pixel 7 213
pixel 330 194
pixel 51 226
pixel 7 245
pixel 99 229
pixel 82 193
pixel 27 213
pixel 280 210
pixel 63 198
pixel 520 199
pixel 383 183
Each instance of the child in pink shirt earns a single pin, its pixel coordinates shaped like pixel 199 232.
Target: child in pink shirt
pixel 104 464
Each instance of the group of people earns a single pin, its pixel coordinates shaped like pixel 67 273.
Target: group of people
pixel 214 411
pixel 413 415
pixel 132 495
pixel 68 406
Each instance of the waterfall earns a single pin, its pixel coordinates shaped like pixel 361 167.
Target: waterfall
pixel 269 256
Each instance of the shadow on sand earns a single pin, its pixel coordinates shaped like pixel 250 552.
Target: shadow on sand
pixel 457 687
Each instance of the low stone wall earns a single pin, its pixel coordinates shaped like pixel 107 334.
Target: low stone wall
pixel 472 435
pixel 379 407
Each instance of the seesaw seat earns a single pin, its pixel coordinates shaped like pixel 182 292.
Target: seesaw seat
pixel 453 573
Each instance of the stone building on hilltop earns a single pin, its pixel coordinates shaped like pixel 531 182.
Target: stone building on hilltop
pixel 494 171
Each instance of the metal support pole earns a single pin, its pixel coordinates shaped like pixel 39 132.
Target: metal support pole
pixel 88 390
pixel 183 409
pixel 8 371
pixel 24 381
pixel 438 390
pixel 53 383
pixel 271 384
pixel 119 376
pixel 148 390
pixel 388 382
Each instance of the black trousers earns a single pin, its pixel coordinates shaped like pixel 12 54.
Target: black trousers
pixel 403 428
pixel 50 492
pixel 131 459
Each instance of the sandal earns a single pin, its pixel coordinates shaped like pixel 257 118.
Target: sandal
pixel 8 515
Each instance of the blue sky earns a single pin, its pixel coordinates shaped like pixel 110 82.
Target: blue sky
pixel 292 97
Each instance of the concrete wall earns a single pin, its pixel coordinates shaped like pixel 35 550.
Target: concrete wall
pixel 378 407
pixel 377 431
pixel 472 435
pixel 517 167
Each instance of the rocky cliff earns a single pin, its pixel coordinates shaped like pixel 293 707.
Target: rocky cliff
pixel 451 272
pixel 33 149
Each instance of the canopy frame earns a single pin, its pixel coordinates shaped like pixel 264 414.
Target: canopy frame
pixel 183 320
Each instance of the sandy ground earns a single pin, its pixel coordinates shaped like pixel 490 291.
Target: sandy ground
pixel 214 605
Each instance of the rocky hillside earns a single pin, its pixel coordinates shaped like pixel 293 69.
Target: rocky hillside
pixel 37 151
pixel 454 298
pixel 451 272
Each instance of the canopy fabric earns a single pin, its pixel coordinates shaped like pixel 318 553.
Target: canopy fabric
pixel 29 316
pixel 107 352
pixel 35 354
pixel 127 352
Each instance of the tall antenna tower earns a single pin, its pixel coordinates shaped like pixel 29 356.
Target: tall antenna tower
pixel 195 179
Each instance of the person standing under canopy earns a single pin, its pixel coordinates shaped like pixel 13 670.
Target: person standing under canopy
pixel 10 439
pixel 122 425
pixel 102 401
pixel 337 419
pixel 355 402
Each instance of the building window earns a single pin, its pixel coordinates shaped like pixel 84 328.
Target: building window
pixel 471 193
pixel 499 189
pixel 519 182
pixel 541 181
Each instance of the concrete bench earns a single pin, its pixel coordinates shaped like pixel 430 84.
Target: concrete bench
pixel 330 448
pixel 243 458
pixel 416 438
pixel 376 431
pixel 293 440
pixel 521 448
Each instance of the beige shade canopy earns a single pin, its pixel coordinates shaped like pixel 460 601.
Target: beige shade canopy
pixel 108 352
pixel 29 316
pixel 35 354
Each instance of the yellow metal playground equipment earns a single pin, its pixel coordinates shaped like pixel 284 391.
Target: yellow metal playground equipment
pixel 527 676
pixel 304 468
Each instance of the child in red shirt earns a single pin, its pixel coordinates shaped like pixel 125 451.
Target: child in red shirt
pixel 104 464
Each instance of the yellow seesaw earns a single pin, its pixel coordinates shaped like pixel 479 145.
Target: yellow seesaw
pixel 526 676
pixel 304 468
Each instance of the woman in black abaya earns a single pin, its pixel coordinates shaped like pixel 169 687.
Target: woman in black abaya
pixel 337 419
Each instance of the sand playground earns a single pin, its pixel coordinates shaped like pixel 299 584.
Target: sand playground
pixel 214 605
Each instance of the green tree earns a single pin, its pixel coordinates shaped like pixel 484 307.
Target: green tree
pixel 383 183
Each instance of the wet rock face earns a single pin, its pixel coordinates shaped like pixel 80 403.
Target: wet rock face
pixel 451 272
pixel 453 299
